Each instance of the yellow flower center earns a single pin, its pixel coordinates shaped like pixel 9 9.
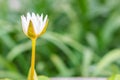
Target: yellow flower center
pixel 31 32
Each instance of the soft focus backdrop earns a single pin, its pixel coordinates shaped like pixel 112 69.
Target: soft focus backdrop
pixel 82 39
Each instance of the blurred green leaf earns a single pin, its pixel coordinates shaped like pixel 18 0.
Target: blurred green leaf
pixel 43 78
pixel 6 64
pixel 11 75
pixel 109 28
pixel 107 60
pixel 114 77
pixel 64 71
pixel 53 39
pixel 18 50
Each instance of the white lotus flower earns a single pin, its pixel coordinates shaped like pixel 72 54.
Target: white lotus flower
pixel 34 25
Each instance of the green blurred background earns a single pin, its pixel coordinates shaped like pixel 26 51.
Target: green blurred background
pixel 82 38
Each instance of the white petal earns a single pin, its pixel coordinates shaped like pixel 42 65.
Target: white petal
pixel 28 16
pixel 43 24
pixel 40 23
pixel 24 24
pixel 35 22
pixel 37 16
pixel 40 19
pixel 28 19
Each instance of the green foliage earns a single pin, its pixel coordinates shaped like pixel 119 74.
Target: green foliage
pixel 43 78
pixel 114 77
pixel 82 38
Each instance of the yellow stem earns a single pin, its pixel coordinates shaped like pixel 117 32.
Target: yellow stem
pixel 32 74
pixel 33 57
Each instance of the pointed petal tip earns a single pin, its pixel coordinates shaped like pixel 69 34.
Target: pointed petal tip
pixel 46 17
pixel 21 16
pixel 33 13
pixel 41 15
pixel 28 13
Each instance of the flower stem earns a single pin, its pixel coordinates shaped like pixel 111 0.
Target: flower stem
pixel 33 57
pixel 32 74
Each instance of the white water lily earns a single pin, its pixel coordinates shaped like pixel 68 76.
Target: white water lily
pixel 36 22
pixel 33 26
